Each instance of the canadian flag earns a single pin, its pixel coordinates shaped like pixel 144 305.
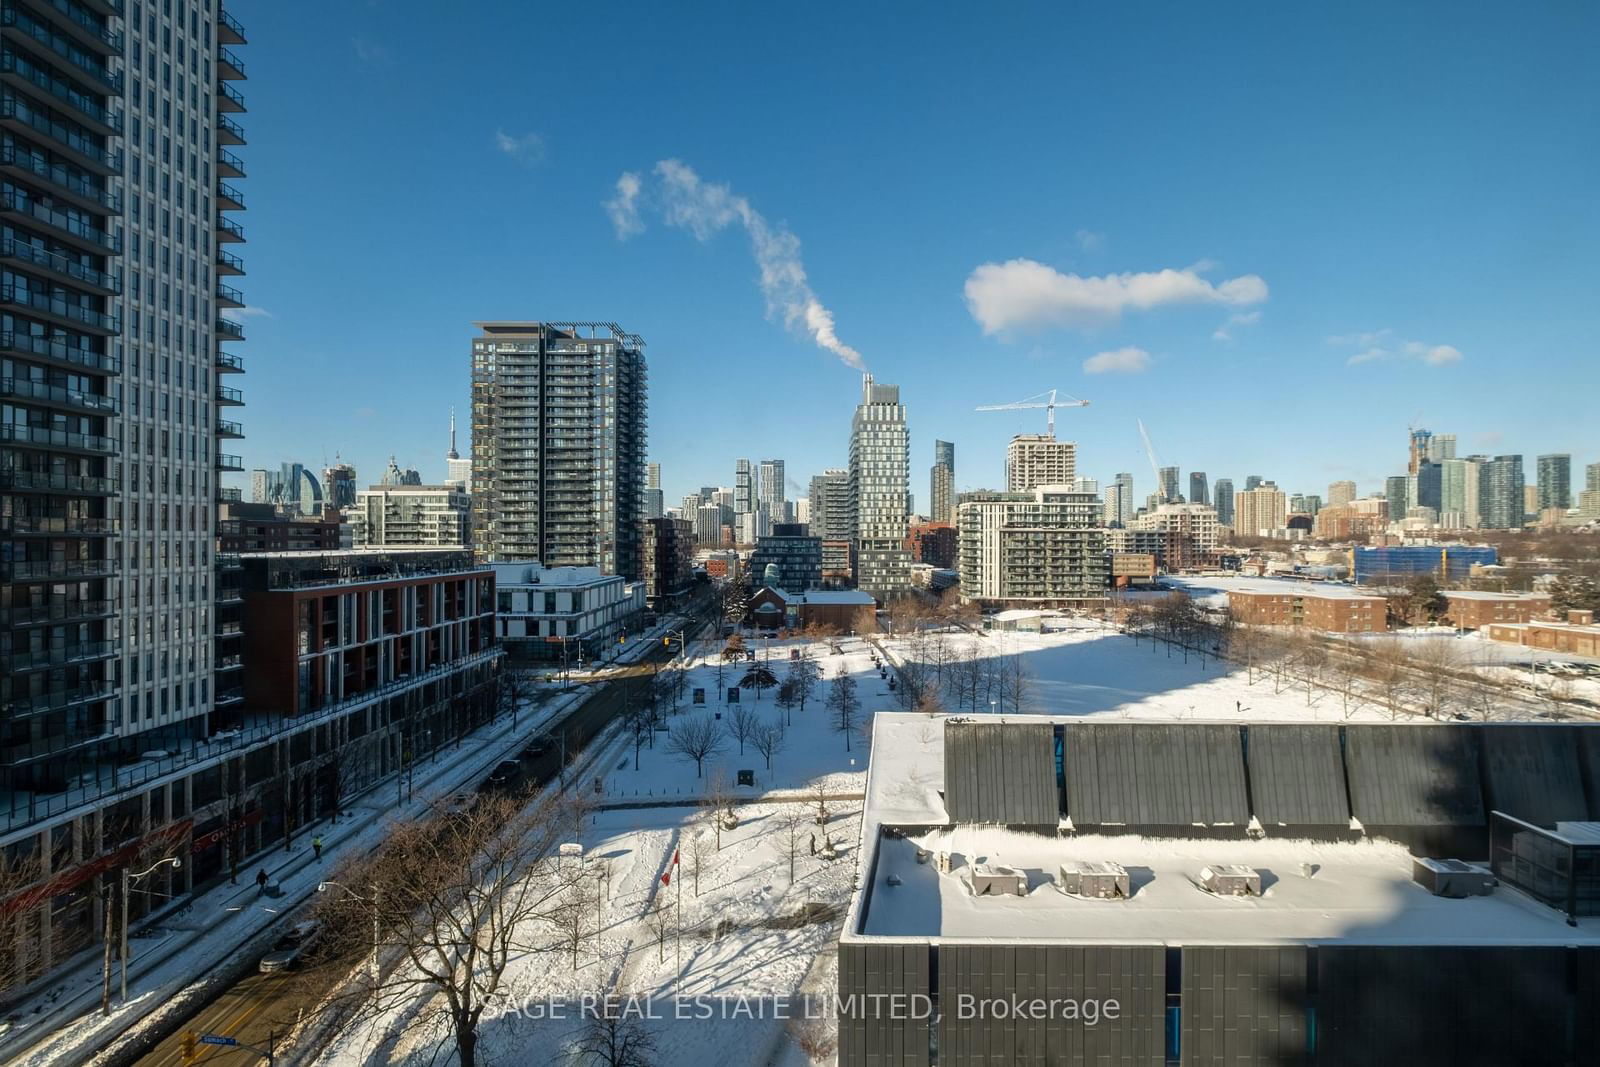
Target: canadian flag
pixel 666 876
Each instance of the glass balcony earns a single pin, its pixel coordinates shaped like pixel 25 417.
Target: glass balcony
pixel 58 351
pixel 58 526
pixel 229 428
pixel 229 264
pixel 229 98
pixel 86 62
pixel 228 29
pixel 229 496
pixel 229 198
pixel 229 165
pixel 85 108
pixel 228 296
pixel 66 181
pixel 85 30
pixel 60 309
pixel 230 330
pixel 24 481
pixel 229 67
pixel 57 569
pixel 58 396
pixel 82 652
pixel 226 462
pixel 228 131
pixel 55 611
pixel 228 363
pixel 62 440
pixel 57 699
pixel 61 266
pixel 228 230
pixel 226 395
pixel 66 138
pixel 74 229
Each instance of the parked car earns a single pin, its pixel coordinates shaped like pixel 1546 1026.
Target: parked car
pixel 292 946
pixel 505 773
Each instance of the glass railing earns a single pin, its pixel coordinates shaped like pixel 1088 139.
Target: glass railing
pixel 28 570
pixel 88 23
pixel 45 437
pixel 54 305
pixel 52 657
pixel 56 611
pixel 226 260
pixel 29 389
pixel 229 396
pixel 228 159
pixel 228 192
pixel 231 362
pixel 227 125
pixel 231 330
pixel 229 226
pixel 12 107
pixel 61 221
pixel 51 348
pixel 229 295
pixel 230 496
pixel 46 482
pixel 58 174
pixel 228 92
pixel 65 47
pixel 60 264
pixel 231 23
pixel 232 60
pixel 55 699
pixel 11 63
pixel 229 428
pixel 226 462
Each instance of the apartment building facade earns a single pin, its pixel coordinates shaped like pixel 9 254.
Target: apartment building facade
pixel 411 516
pixel 1035 459
pixel 1043 548
pixel 880 490
pixel 1316 609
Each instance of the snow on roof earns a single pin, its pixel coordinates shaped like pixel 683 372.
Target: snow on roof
pixel 531 573
pixel 837 596
pixel 1474 594
pixel 1013 614
pixel 1312 891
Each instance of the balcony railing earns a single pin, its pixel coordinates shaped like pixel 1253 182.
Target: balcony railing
pixel 229 164
pixel 54 611
pixel 27 570
pixel 15 156
pixel 227 294
pixel 38 257
pixel 226 395
pixel 106 242
pixel 230 194
pixel 228 29
pixel 225 462
pixel 46 482
pixel 231 228
pixel 59 526
pixel 229 428
pixel 62 46
pixel 227 262
pixel 44 437
pixel 230 330
pixel 228 131
pixel 57 699
pixel 54 305
pixel 46 348
pixel 82 652
pixel 229 98
pixel 59 395
pixel 12 63
pixel 229 66
pixel 229 496
pixel 111 41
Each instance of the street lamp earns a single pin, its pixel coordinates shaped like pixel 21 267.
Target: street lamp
pixel 991 707
pixel 127 882
pixel 322 887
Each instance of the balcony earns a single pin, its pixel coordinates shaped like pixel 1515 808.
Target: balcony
pixel 24 481
pixel 230 628
pixel 64 138
pixel 226 395
pixel 229 264
pixel 58 396
pixel 17 70
pixel 16 21
pixel 63 311
pixel 59 267
pixel 229 165
pixel 58 526
pixel 226 462
pixel 228 29
pixel 229 67
pixel 228 230
pixel 228 131
pixel 229 98
pixel 63 181
pixel 229 198
pixel 228 363
pixel 229 428
pixel 230 330
pixel 58 440
pixel 52 570
pixel 229 496
pixel 227 561
pixel 48 350
pixel 85 30
pixel 83 652
pixel 54 611
pixel 229 297
pixel 73 230
pixel 226 697
pixel 57 699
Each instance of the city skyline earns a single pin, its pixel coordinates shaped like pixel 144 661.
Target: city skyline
pixel 1390 253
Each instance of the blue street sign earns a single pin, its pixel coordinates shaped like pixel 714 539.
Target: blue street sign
pixel 217 1039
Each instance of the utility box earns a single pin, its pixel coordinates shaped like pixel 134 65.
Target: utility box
pixel 993 880
pixel 1231 880
pixel 1451 878
pixel 1099 880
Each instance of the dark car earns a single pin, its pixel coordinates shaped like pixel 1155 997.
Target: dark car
pixel 292 946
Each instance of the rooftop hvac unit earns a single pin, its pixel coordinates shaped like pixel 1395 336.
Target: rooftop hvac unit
pixel 1231 880
pixel 1451 878
pixel 991 879
pixel 1099 880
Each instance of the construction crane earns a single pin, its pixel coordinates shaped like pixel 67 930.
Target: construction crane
pixel 1155 464
pixel 1047 401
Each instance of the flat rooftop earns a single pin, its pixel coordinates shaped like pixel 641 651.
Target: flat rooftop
pixel 1312 891
pixel 1200 587
pixel 1475 594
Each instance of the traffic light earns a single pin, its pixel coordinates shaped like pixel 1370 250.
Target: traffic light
pixel 190 1048
pixel 666 642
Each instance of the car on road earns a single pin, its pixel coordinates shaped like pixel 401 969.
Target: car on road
pixel 292 947
pixel 505 774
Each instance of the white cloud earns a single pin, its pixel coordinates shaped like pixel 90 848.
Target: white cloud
pixel 371 52
pixel 707 208
pixel 527 149
pixel 247 312
pixel 1026 294
pixel 1118 361
pixel 624 207
pixel 1379 345
pixel 1089 241
pixel 1243 318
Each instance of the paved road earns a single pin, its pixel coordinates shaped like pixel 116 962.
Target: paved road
pixel 258 1007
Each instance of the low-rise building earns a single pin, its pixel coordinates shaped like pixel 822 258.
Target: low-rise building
pixel 793 558
pixel 838 562
pixel 1470 610
pixel 933 543
pixel 244 527
pixel 1578 636
pixel 408 516
pixel 563 614
pixel 1188 535
pixel 1132 568
pixel 666 561
pixel 1330 609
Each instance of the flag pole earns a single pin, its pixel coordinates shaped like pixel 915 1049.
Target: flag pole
pixel 679 924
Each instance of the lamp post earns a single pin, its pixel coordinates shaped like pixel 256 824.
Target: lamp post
pixel 322 887
pixel 127 882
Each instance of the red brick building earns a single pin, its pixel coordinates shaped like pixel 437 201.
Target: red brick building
pixel 1314 608
pixel 1474 610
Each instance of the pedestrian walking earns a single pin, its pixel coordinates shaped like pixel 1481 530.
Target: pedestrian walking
pixel 261 881
pixel 316 846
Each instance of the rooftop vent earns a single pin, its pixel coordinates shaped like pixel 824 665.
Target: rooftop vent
pixel 1231 880
pixel 1451 878
pixel 1099 880
pixel 991 879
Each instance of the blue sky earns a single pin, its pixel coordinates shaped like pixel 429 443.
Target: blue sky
pixel 1289 231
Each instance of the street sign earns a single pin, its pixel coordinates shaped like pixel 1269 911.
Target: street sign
pixel 217 1039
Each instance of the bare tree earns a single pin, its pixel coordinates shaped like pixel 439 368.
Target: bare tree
pixel 699 852
pixel 574 912
pixel 660 922
pixel 615 1036
pixel 1312 656
pixel 1559 694
pixel 458 896
pixel 1347 670
pixel 1015 682
pixel 1393 666
pixel 815 1036
pixel 696 739
pixel 792 822
pixel 1245 646
pixel 819 793
pixel 21 905
pixel 803 673
pixel 717 801
pixel 514 690
pixel 741 724
pixel 787 699
pixel 844 704
pixel 1437 665
pixel 769 740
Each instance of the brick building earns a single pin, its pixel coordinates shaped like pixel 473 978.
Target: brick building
pixel 1317 609
pixel 1474 610
pixel 933 543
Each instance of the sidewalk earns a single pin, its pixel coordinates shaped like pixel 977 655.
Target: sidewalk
pixel 62 1023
